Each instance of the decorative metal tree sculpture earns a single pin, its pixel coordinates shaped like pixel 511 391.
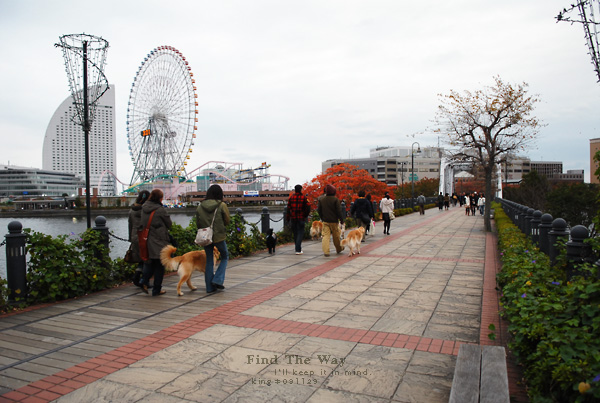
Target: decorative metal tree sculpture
pixel 588 9
pixel 87 86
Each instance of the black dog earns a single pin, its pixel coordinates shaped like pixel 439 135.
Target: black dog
pixel 271 240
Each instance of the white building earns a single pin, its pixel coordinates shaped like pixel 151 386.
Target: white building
pixel 64 149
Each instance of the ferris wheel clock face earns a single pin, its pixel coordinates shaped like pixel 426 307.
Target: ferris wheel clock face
pixel 162 115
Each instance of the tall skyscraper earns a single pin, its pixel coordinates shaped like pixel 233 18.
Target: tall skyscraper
pixel 64 142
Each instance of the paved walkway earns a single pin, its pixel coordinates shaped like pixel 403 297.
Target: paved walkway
pixel 384 326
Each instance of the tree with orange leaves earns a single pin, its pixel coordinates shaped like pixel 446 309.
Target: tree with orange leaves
pixel 348 181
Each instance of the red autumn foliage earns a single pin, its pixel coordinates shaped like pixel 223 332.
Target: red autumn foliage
pixel 348 181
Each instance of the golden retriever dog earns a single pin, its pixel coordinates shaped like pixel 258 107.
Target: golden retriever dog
pixel 185 264
pixel 316 230
pixel 353 240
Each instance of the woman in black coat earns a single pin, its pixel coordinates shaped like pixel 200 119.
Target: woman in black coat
pixel 158 238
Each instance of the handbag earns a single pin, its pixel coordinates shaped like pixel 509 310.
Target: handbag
pixel 392 216
pixel 131 256
pixel 204 235
pixel 143 239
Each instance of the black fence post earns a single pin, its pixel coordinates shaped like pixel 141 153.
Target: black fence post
pixel 527 222
pixel 264 220
pixel 544 228
pixel 577 250
pixel 558 231
pixel 16 261
pixel 100 226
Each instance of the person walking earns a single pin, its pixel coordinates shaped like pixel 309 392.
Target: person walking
pixel 421 202
pixel 386 205
pixel 473 200
pixel 213 206
pixel 297 213
pixel 467 204
pixel 371 212
pixel 330 211
pixel 481 203
pixel 440 201
pixel 447 201
pixel 361 211
pixel 158 238
pixel 133 222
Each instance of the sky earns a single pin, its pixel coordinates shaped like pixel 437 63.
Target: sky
pixel 295 83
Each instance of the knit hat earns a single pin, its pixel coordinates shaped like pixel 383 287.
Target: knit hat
pixel 330 190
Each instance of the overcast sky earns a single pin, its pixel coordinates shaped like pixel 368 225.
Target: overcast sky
pixel 295 83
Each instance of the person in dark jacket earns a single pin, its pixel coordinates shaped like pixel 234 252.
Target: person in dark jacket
pixel 134 220
pixel 297 213
pixel 330 211
pixel 213 207
pixel 362 211
pixel 158 238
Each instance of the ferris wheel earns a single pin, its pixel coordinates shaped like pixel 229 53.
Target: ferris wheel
pixel 162 115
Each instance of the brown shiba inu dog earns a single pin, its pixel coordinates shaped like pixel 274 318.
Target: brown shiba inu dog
pixel 185 265
pixel 353 240
pixel 316 230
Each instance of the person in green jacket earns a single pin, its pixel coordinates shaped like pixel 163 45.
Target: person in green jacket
pixel 213 207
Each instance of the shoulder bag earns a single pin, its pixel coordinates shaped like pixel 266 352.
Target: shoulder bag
pixel 143 239
pixel 204 236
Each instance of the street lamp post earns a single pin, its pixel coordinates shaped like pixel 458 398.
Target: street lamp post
pixel 412 173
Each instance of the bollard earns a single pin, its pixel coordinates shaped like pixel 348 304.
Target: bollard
pixel 16 262
pixel 558 231
pixel 100 226
pixel 264 220
pixel 577 250
pixel 344 212
pixel 527 222
pixel 535 230
pixel 545 227
pixel 286 222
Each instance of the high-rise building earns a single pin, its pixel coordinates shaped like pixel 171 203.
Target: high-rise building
pixel 64 142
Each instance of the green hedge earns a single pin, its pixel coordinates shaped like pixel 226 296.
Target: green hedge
pixel 554 323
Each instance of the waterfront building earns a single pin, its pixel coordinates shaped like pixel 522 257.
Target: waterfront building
pixel 22 182
pixel 394 165
pixel 64 142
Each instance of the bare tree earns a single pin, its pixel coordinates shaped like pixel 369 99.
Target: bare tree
pixel 484 125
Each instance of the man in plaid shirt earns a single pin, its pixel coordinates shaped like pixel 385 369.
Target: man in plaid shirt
pixel 298 210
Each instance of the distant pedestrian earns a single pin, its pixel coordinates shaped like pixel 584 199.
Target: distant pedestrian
pixel 298 210
pixel 330 211
pixel 362 211
pixel 213 206
pixel 421 202
pixel 467 204
pixel 473 200
pixel 447 201
pixel 158 238
pixel 386 206
pixel 134 221
pixel 481 203
pixel 372 213
pixel 440 201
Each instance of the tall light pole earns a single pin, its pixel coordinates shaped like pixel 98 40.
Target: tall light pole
pixel 412 174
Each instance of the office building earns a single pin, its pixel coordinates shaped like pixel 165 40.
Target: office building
pixel 22 182
pixel 64 149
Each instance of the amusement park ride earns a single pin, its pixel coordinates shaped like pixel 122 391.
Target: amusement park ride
pixel 162 117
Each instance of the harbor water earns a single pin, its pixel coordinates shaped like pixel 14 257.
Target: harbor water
pixel 117 225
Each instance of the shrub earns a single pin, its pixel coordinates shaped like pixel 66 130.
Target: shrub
pixel 554 323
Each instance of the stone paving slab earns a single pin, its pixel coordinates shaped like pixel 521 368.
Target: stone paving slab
pixel 383 326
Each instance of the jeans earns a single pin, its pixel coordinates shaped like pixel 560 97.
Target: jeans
pixel 298 231
pixel 210 276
